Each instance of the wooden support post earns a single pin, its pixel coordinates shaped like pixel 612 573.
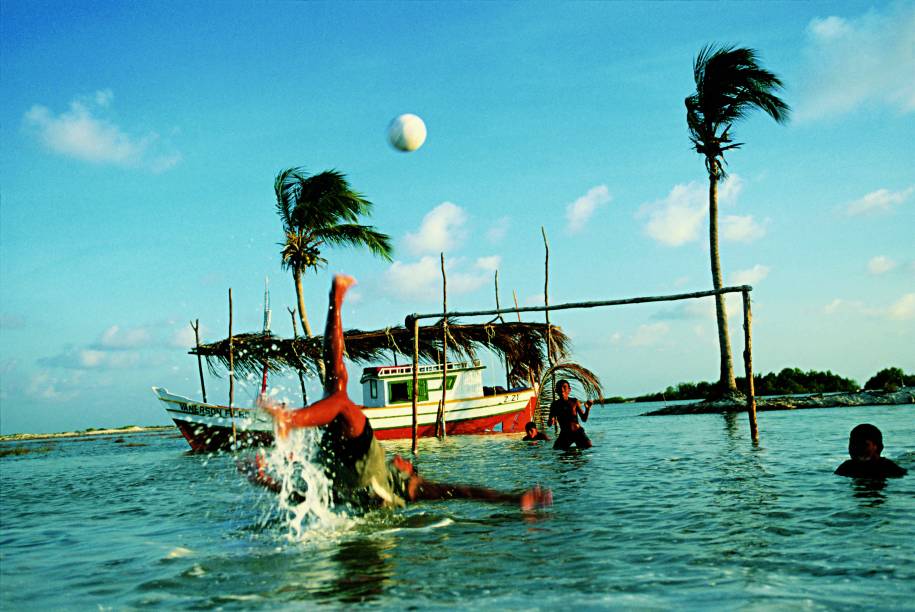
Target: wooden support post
pixel 196 327
pixel 295 335
pixel 231 375
pixel 415 382
pixel 440 418
pixel 748 364
pixel 546 297
pixel 508 382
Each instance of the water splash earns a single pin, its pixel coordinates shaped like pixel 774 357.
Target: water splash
pixel 305 499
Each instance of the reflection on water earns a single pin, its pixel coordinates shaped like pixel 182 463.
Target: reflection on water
pixel 663 513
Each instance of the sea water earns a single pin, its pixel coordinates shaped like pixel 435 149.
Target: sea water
pixel 676 512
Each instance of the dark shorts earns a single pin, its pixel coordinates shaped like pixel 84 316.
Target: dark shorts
pixel 566 439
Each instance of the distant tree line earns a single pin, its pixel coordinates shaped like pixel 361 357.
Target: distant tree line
pixel 788 381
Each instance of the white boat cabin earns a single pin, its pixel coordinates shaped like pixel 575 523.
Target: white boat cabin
pixel 393 385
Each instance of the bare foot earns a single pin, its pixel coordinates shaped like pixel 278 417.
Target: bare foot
pixel 342 282
pixel 536 498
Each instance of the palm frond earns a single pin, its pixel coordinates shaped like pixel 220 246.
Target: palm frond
pixel 286 187
pixel 351 234
pixel 580 378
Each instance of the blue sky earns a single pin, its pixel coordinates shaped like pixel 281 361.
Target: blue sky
pixel 140 143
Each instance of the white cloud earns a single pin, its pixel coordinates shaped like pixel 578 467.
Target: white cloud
pixel 79 133
pixel 881 200
pixel 441 230
pixel 579 212
pixel 678 218
pixel 864 60
pixel 741 229
pixel 92 359
pixel 880 265
pixel 43 386
pixel 649 334
pixel 183 337
pixel 903 308
pixel 751 276
pixel 116 338
pixel 490 263
pixel 422 280
pixel 498 229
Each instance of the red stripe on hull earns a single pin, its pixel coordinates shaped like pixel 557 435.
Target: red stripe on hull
pixel 512 422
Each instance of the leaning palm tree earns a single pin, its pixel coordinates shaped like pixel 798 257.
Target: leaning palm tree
pixel 318 211
pixel 729 85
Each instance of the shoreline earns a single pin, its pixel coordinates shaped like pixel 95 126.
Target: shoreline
pixel 132 429
pixel 901 397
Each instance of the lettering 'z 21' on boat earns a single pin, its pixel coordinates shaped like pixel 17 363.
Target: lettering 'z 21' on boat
pixel 387 395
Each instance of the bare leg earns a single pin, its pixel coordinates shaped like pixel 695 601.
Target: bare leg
pixel 337 400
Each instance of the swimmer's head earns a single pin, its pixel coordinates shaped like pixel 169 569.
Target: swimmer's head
pixel 530 427
pixel 865 442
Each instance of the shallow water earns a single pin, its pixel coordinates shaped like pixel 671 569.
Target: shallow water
pixel 664 512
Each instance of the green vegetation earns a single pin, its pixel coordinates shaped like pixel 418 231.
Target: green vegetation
pixel 23 449
pixel 787 382
pixel 730 84
pixel 890 379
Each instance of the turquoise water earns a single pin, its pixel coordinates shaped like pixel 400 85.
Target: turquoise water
pixel 664 512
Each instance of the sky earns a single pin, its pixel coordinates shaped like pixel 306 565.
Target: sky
pixel 141 141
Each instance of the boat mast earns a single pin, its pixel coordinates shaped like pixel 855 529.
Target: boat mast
pixel 266 328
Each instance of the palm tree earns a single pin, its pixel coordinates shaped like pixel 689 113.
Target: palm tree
pixel 730 84
pixel 317 211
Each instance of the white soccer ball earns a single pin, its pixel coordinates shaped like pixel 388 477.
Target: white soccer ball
pixel 407 132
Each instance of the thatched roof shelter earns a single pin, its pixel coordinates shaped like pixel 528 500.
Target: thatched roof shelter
pixel 521 345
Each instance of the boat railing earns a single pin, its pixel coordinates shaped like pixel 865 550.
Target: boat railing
pixel 425 369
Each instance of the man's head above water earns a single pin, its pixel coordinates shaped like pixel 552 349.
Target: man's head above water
pixel 865 442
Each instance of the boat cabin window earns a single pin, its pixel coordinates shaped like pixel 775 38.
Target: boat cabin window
pixel 401 391
pixel 373 389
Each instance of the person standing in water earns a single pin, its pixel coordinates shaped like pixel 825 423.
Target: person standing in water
pixel 352 458
pixel 865 443
pixel 565 411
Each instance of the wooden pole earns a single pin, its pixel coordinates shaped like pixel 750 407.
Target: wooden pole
pixel 546 297
pixel 440 418
pixel 508 382
pixel 415 325
pixel 295 335
pixel 196 327
pixel 748 365
pixel 529 373
pixel 231 374
pixel 592 304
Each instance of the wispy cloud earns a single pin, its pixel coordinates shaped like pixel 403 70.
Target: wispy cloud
pixel 882 200
pixel 751 276
pixel 83 132
pixel 649 334
pixel 118 338
pixel 858 61
pixel 422 280
pixel 678 218
pixel 880 265
pixel 92 359
pixel 579 212
pixel 498 229
pixel 902 309
pixel 441 230
pixel 736 228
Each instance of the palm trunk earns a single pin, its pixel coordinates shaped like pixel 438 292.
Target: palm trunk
pixel 303 317
pixel 726 379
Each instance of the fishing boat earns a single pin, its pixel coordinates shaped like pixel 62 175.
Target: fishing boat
pixel 387 395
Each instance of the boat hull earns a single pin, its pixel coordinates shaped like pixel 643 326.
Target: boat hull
pixel 209 427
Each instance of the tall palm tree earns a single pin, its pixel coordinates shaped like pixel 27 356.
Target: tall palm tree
pixel 730 84
pixel 318 211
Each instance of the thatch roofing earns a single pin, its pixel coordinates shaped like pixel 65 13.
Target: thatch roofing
pixel 521 345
